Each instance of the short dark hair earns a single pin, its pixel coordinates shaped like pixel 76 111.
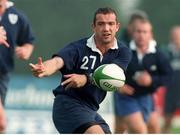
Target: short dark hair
pixel 140 15
pixel 143 21
pixel 105 10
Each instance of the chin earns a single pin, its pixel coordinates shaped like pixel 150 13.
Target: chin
pixel 107 41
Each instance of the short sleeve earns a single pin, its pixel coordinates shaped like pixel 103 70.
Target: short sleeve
pixel 69 54
pixel 25 34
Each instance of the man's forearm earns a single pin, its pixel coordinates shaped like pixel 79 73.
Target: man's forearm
pixel 53 65
pixel 24 52
pixel 30 49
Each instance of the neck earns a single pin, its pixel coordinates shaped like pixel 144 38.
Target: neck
pixel 103 47
pixel 142 49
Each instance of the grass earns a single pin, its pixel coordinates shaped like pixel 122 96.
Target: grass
pixel 175 130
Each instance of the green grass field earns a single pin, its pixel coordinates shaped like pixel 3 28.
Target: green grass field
pixel 175 130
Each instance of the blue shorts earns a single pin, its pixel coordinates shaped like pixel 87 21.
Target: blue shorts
pixel 72 116
pixel 126 105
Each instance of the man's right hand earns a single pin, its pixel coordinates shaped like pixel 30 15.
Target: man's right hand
pixel 126 89
pixel 3 37
pixel 46 68
pixel 38 69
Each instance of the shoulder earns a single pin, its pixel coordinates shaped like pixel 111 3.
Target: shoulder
pixel 124 51
pixel 122 44
pixel 123 47
pixel 12 11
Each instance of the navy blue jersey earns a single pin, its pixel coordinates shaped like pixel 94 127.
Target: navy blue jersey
pixel 156 64
pixel 82 58
pixel 18 32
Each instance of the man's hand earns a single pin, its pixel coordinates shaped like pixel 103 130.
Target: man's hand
pixel 3 37
pixel 144 79
pixel 38 69
pixel 126 89
pixel 24 52
pixel 46 68
pixel 74 81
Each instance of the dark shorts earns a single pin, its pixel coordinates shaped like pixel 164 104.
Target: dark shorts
pixel 4 80
pixel 172 101
pixel 126 105
pixel 72 116
pixel 172 97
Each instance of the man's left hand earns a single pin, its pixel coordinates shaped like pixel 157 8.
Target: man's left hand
pixel 144 79
pixel 74 81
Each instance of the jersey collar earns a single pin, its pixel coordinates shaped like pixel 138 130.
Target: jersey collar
pixel 9 4
pixel 91 44
pixel 151 47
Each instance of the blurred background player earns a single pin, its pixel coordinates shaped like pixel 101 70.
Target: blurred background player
pixel 77 100
pixel 18 32
pixel 126 36
pixel 126 33
pixel 3 41
pixel 147 70
pixel 172 98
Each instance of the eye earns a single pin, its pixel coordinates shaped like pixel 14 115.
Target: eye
pixel 100 23
pixel 111 23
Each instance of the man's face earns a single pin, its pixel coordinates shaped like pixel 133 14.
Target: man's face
pixel 175 36
pixel 142 34
pixel 2 6
pixel 131 26
pixel 105 28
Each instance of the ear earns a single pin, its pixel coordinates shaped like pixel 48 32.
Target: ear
pixel 93 27
pixel 118 25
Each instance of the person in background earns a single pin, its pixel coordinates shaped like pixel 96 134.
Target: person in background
pixel 126 33
pixel 15 37
pixel 126 36
pixel 172 98
pixel 148 70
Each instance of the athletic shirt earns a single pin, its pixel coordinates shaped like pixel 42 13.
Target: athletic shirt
pixel 155 63
pixel 18 32
pixel 82 57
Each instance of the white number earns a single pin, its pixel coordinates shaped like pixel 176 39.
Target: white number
pixel 94 61
pixel 85 61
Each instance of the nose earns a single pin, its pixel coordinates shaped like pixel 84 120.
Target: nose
pixel 106 27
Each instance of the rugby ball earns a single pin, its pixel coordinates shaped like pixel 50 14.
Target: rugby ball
pixel 109 77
